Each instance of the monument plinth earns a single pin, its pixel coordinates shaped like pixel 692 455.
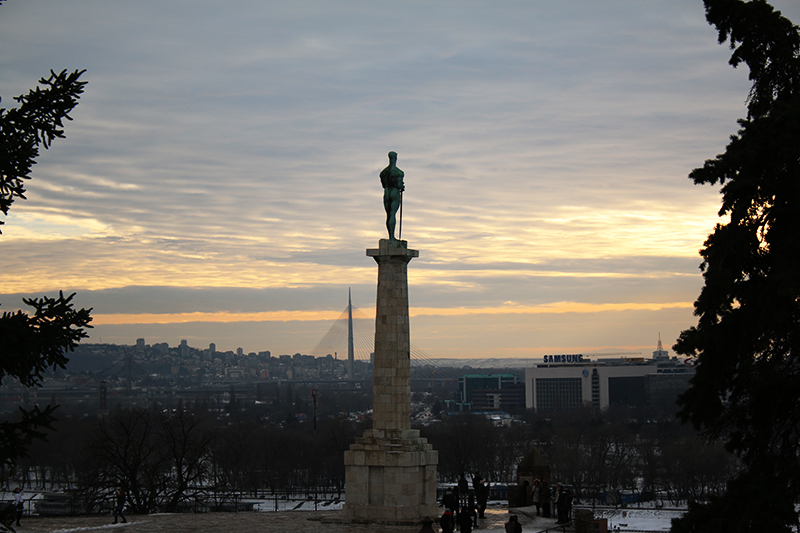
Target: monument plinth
pixel 390 472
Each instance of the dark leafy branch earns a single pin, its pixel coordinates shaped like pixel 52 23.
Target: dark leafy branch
pixel 32 343
pixel 38 120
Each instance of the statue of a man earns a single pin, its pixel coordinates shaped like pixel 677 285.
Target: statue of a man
pixel 393 187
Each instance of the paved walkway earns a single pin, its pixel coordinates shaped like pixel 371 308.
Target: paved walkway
pixel 247 522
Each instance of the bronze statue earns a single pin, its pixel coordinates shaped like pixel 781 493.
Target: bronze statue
pixel 393 187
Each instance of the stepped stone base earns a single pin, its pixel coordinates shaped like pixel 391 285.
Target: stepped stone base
pixel 390 477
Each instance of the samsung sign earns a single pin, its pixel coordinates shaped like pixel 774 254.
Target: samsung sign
pixel 569 358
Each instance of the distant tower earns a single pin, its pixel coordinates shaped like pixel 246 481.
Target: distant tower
pixel 660 354
pixel 350 351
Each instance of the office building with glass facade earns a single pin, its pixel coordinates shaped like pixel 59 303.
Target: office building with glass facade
pixel 602 384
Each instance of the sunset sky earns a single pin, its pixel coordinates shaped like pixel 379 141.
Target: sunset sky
pixel 219 181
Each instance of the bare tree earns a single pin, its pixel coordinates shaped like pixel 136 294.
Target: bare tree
pixel 186 438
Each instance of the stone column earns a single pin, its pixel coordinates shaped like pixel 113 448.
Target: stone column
pixel 391 408
pixel 390 472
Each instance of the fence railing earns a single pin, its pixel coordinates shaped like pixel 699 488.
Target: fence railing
pixel 200 501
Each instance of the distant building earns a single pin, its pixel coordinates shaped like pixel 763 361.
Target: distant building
pixel 491 392
pixel 564 382
pixel 510 399
pixel 469 383
pixel 234 373
pixel 660 354
pixel 162 348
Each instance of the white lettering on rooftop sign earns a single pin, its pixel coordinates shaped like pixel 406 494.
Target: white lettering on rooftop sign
pixel 568 358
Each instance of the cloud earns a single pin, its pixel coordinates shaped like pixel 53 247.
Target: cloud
pixel 225 161
pixel 317 315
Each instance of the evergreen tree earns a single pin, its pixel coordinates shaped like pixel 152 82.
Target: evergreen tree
pixel 29 344
pixel 746 392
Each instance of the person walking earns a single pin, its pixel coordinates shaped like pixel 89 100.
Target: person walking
pixel 449 500
pixel 465 520
pixel 120 498
pixel 563 504
pixel 547 498
pixel 463 490
pixel 536 495
pixel 19 504
pixel 559 502
pixel 482 496
pixel 568 507
pixel 513 525
pixel 447 522
pixel 473 510
pixel 476 481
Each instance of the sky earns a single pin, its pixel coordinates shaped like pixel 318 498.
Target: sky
pixel 219 180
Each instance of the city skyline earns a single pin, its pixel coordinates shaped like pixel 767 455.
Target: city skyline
pixel 219 181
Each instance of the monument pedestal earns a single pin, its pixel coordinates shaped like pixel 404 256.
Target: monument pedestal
pixel 390 473
pixel 390 477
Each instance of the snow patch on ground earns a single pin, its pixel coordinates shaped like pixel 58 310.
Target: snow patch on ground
pixel 294 505
pixel 638 519
pixel 92 528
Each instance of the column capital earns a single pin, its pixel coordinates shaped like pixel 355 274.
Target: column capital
pixel 392 249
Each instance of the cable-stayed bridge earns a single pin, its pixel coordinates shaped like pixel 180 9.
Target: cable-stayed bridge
pixel 353 333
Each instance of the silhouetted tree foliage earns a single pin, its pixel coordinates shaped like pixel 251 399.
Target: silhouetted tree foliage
pixel 161 458
pixel 614 451
pixel 122 451
pixel 187 459
pixel 464 443
pixel 29 344
pixel 746 393
pixel 191 458
pixel 595 452
pixel 38 120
